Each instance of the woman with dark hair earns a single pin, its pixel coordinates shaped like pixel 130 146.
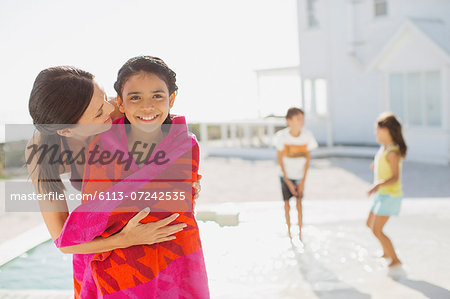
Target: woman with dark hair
pixel 63 100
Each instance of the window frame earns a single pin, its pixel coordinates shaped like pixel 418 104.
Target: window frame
pixel 380 3
pixel 310 96
pixel 311 14
pixel 424 117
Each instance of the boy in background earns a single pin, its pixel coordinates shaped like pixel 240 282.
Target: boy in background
pixel 294 145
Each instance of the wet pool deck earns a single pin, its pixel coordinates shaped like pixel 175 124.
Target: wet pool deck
pixel 340 259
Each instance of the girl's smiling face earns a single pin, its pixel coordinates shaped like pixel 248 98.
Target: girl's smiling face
pixel 145 99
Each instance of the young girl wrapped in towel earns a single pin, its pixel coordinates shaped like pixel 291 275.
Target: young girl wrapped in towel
pixel 148 159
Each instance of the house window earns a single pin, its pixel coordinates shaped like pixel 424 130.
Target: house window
pixel 432 98
pixel 311 13
pixel 416 98
pixel 315 96
pixel 380 7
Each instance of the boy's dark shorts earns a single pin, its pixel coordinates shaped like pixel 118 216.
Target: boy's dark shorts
pixel 285 190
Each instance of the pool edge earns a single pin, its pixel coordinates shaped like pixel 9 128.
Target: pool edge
pixel 20 244
pixel 36 294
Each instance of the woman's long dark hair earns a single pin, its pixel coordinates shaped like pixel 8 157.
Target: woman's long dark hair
pixel 389 121
pixel 148 64
pixel 59 97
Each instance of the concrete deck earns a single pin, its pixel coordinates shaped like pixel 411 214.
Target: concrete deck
pixel 256 259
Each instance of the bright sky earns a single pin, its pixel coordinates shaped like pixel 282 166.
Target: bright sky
pixel 213 46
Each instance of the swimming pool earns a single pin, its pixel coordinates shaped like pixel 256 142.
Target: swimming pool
pixel 43 267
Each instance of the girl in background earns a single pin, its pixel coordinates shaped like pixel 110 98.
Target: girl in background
pixel 387 188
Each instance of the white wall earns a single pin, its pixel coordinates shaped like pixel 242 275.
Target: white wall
pixel 313 42
pixel 427 145
pixel 446 94
pixel 324 53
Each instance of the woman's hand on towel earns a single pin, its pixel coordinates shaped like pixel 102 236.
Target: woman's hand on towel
pixel 136 233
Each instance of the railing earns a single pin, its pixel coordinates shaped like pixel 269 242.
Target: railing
pixel 238 134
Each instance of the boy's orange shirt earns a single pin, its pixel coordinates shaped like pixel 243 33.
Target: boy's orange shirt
pixel 293 151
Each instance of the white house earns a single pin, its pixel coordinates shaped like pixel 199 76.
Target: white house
pixel 361 57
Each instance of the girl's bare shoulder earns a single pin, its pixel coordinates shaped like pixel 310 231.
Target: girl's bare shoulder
pixel 393 154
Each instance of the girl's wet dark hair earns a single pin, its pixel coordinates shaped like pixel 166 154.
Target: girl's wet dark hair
pixel 389 121
pixel 149 64
pixel 59 97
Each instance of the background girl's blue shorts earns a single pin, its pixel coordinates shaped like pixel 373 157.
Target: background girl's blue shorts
pixel 386 204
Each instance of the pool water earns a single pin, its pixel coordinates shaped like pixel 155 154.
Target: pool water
pixel 43 267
